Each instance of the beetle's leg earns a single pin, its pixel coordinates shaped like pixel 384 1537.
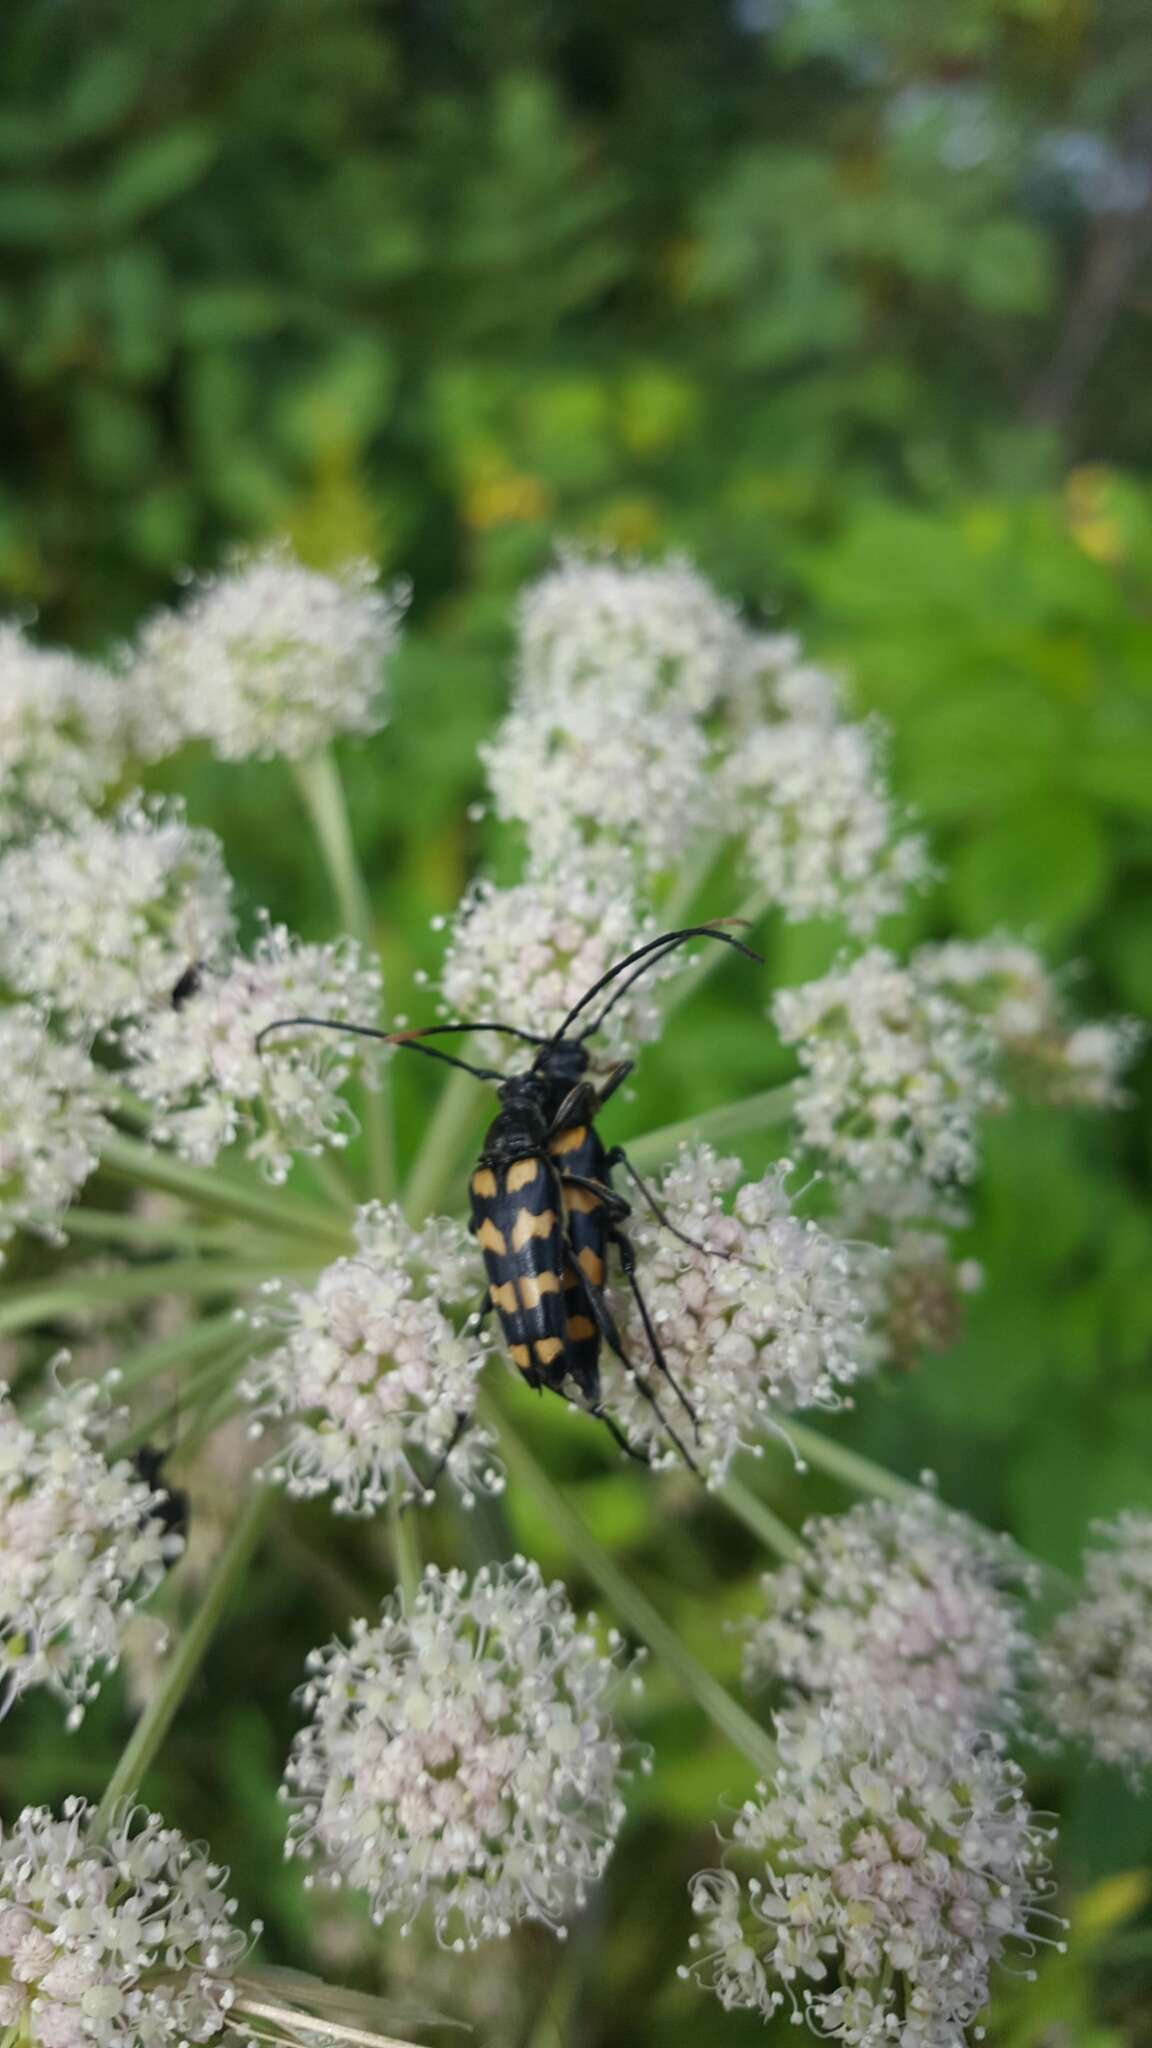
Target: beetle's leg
pixel 618 1157
pixel 618 1436
pixel 615 1079
pixel 461 1425
pixel 600 1414
pixel 616 1209
pixel 605 1323
pixel 584 1100
pixel 627 1254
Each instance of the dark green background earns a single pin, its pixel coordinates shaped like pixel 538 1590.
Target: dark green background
pixel 804 289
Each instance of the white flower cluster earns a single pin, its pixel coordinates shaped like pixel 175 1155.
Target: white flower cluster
pixel 819 828
pixel 1008 985
pixel 890 1866
pixel 605 739
pixel 51 1122
pixel 126 1940
pixel 646 716
pixel 1095 1668
pixel 657 630
pixel 906 1605
pixel 268 659
pixel 896 1071
pixel 461 1756
pixel 377 1374
pixel 199 1066
pixel 80 1545
pixel 100 919
pixel 771 1316
pixel 60 723
pixel 526 954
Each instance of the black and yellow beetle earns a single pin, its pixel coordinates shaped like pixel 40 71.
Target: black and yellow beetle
pixel 544 1211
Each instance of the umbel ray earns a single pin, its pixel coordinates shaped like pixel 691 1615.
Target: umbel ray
pixel 544 1210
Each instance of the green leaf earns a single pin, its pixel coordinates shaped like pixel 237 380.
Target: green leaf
pixel 1041 869
pixel 953 753
pixel 152 174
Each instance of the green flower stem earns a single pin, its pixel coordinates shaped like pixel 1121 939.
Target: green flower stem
pixel 209 1188
pixel 861 1474
pixel 461 1105
pixel 405 1551
pixel 290 2023
pixel 631 1605
pixel 182 1666
pixel 192 1390
pixel 689 882
pixel 115 1226
pixel 751 1510
pixel 193 1277
pixel 322 790
pixel 187 1346
pixel 732 1120
pixel 338 1189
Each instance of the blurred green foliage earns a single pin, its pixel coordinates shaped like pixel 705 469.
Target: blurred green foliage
pixel 851 298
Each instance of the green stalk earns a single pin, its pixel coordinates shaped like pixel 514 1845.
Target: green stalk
pixel 457 1111
pixel 144 1165
pixel 191 1391
pixel 731 1120
pixel 322 790
pixel 760 1520
pixel 405 1551
pixel 632 1606
pixel 861 1474
pixel 213 1333
pixel 336 1185
pixel 113 1226
pixel 689 882
pixel 192 1277
pixel 186 1658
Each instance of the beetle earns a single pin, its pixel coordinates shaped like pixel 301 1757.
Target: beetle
pixel 544 1210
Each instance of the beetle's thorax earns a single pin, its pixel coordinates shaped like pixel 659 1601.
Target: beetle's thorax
pixel 522 1125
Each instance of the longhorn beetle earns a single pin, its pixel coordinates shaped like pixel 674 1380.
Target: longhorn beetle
pixel 544 1210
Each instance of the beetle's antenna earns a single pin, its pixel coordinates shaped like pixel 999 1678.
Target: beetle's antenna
pixel 399 1038
pixel 485 1024
pixel 667 943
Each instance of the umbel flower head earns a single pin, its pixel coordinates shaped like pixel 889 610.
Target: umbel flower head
pixel 1094 1671
pixel 101 919
pixel 210 1085
pixel 897 1601
pixel 1007 984
pixel 51 1125
pixel 269 659
pixel 771 1316
pixel 461 1756
pixel 525 955
pixel 656 630
pixel 604 742
pixel 80 1544
pixel 59 731
pixel 876 1882
pixel 112 1941
pixel 377 1374
pixel 820 830
pixel 895 1070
